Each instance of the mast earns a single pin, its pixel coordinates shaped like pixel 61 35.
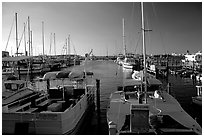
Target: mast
pixel 54 44
pixel 107 51
pixel 16 35
pixel 66 45
pixel 25 39
pixel 124 45
pixel 43 38
pixel 50 42
pixel 144 52
pixel 29 35
pixel 69 45
pixel 31 40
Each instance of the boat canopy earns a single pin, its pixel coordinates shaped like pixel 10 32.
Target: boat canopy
pixel 73 75
pixel 49 75
pixel 76 75
pixel 63 74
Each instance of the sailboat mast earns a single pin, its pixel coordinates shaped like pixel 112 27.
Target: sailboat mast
pixel 124 45
pixel 50 42
pixel 107 51
pixel 144 51
pixel 43 38
pixel 31 42
pixel 16 35
pixel 66 45
pixel 69 45
pixel 29 35
pixel 54 44
pixel 25 38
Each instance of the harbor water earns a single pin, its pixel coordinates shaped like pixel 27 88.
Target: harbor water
pixel 112 75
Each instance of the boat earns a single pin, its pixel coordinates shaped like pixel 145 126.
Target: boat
pixel 129 114
pixel 14 90
pixel 24 65
pixel 142 107
pixel 198 99
pixel 129 63
pixel 138 75
pixel 120 59
pixel 58 110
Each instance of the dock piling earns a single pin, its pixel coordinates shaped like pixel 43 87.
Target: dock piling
pixel 98 102
pixel 98 95
pixel 169 88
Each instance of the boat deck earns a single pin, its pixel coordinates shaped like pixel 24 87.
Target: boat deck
pixel 120 105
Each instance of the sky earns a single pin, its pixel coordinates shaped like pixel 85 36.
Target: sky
pixel 176 27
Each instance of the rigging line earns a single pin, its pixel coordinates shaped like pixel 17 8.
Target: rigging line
pixel 9 34
pixel 148 35
pixel 131 39
pixel 50 42
pixel 138 41
pixel 154 10
pixel 162 41
pixel 73 46
pixel 132 23
pixel 22 35
pixel 155 14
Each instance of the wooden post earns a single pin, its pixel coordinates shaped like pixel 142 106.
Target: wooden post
pixel 98 102
pixel 169 88
pixel 167 71
pixel 98 95
pixel 48 85
pixel 18 66
pixel 31 70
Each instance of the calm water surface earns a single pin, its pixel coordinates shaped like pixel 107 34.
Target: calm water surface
pixel 111 76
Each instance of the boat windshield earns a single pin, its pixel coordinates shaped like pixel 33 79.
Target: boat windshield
pixel 14 86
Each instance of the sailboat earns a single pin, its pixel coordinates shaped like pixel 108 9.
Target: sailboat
pixel 142 107
pixel 128 61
